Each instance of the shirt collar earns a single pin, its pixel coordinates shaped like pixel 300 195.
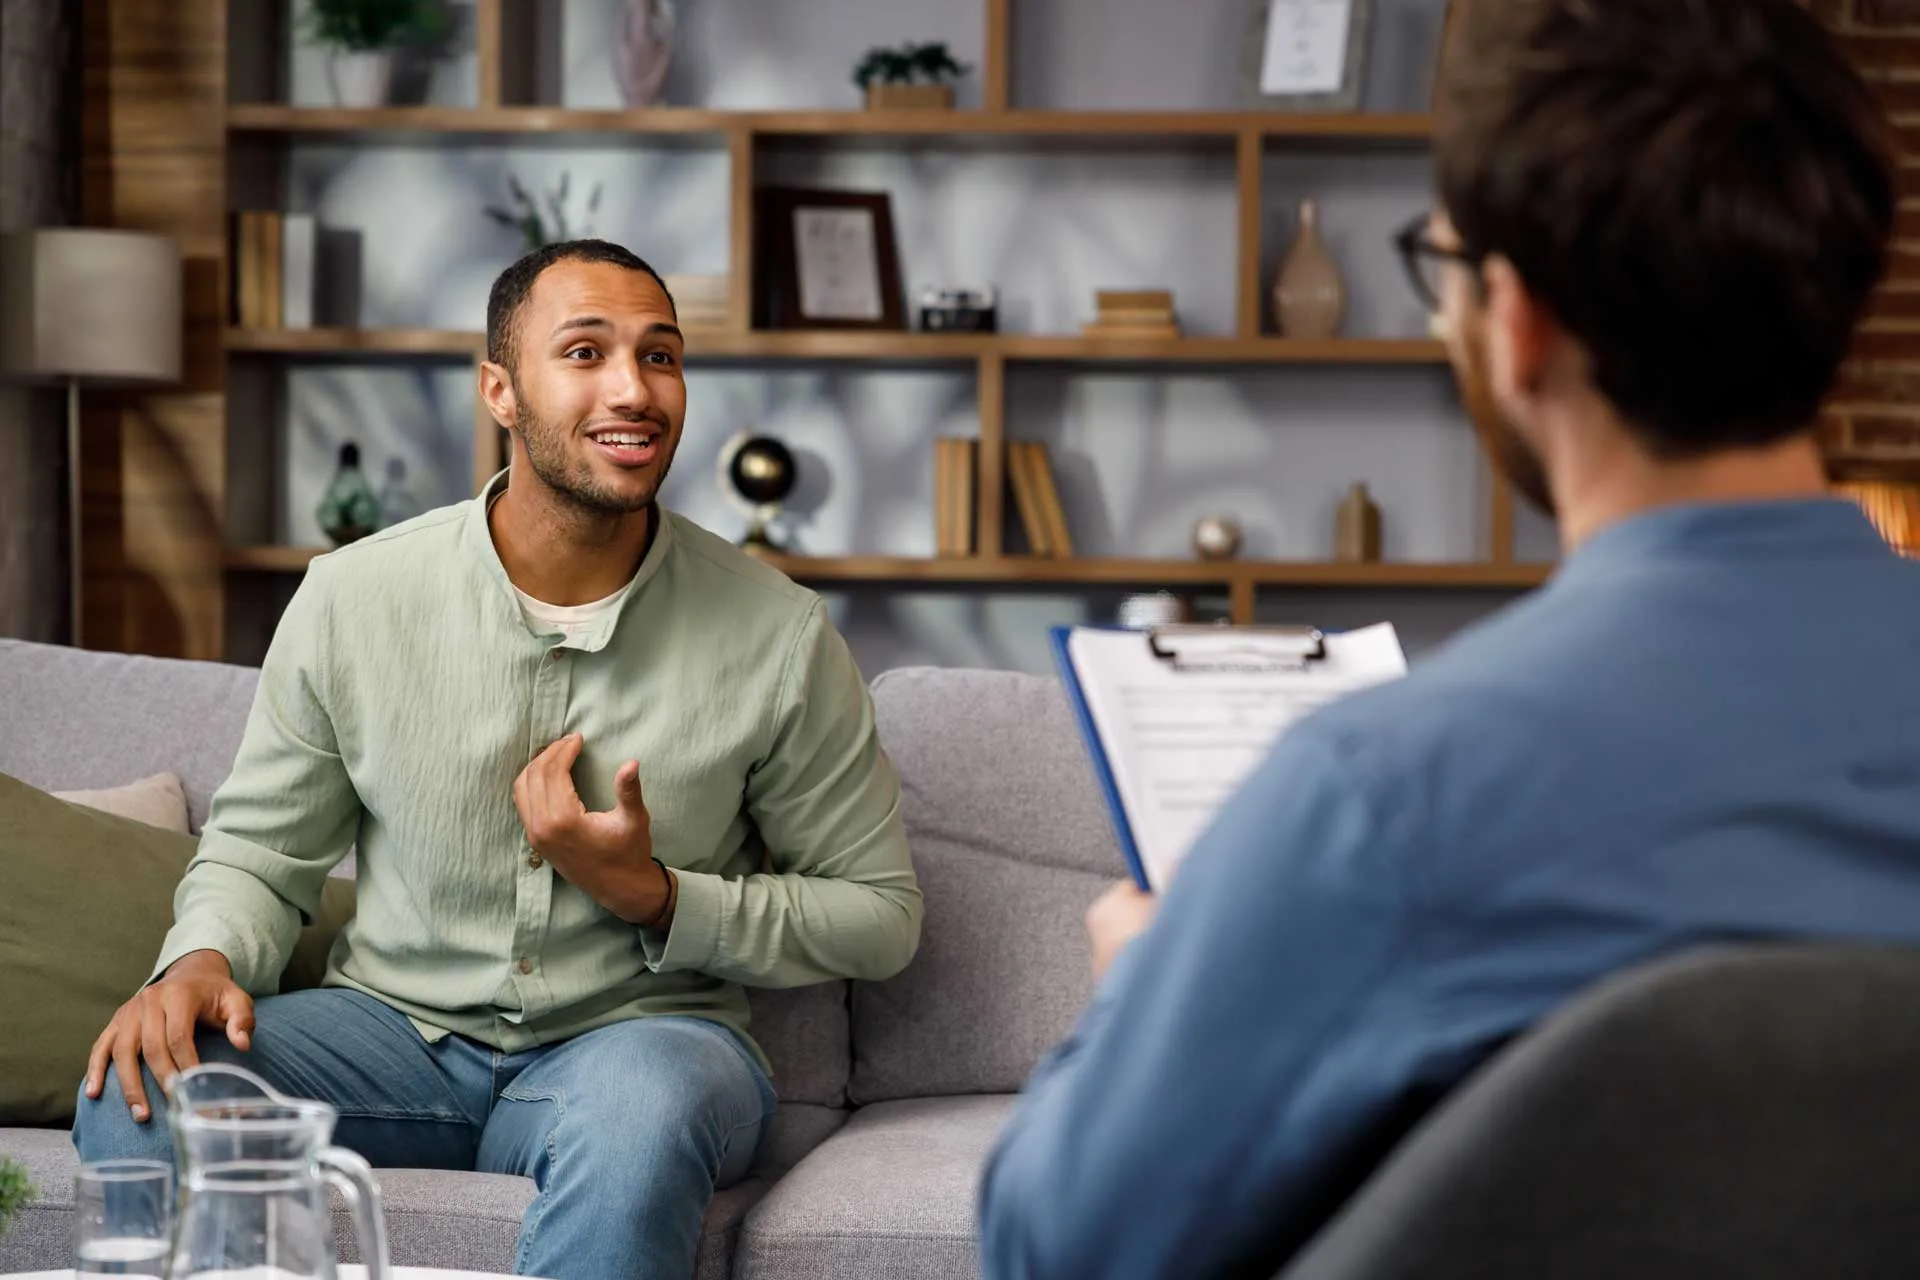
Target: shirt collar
pixel 1796 529
pixel 480 541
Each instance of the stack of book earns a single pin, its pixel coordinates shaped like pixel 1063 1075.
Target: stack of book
pixel 274 261
pixel 955 472
pixel 700 300
pixel 1133 313
pixel 1035 497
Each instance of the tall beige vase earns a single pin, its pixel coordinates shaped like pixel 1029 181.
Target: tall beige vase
pixel 1309 297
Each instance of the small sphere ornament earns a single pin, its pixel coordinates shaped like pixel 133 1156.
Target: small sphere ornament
pixel 1217 538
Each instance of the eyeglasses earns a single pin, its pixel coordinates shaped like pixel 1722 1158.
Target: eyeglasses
pixel 1426 262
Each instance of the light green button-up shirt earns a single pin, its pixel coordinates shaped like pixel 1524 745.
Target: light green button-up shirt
pixel 404 692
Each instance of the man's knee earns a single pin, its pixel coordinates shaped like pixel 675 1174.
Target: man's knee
pixel 667 1090
pixel 104 1129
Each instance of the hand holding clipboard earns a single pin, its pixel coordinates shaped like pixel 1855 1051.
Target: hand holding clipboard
pixel 1177 717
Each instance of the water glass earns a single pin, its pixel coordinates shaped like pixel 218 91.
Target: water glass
pixel 123 1218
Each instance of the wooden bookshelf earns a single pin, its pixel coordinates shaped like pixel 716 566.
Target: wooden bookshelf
pixel 1084 571
pixel 857 345
pixel 161 551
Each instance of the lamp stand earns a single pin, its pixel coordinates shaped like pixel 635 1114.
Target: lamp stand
pixel 73 512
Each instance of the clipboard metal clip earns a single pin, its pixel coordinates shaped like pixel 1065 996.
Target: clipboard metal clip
pixel 1199 649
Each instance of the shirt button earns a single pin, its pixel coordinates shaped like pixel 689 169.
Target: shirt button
pixel 534 860
pixel 525 965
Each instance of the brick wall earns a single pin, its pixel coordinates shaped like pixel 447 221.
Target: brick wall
pixel 1873 421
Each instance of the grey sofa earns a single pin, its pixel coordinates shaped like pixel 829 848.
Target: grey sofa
pixel 891 1093
pixel 1742 1112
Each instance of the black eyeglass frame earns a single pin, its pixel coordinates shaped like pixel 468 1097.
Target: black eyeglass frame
pixel 1414 243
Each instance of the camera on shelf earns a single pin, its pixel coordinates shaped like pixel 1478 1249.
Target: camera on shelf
pixel 952 310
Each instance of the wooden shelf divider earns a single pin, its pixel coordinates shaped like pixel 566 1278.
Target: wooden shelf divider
pixel 1249 154
pixel 740 231
pixel 1029 348
pixel 1239 578
pixel 347 342
pixel 990 489
pixel 1499 515
pixel 996 71
pixel 1409 129
pixel 489 22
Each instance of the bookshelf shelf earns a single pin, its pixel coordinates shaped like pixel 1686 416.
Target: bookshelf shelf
pixel 1030 570
pixel 355 342
pixel 482 123
pixel 908 347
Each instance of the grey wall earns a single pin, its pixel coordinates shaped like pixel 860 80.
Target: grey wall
pixel 1140 453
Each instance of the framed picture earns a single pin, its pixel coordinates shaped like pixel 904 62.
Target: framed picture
pixel 1306 55
pixel 828 260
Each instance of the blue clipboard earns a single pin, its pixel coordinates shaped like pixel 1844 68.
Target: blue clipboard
pixel 1102 770
pixel 1311 648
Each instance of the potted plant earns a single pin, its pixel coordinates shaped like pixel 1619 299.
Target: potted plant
pixel 15 1190
pixel 912 77
pixel 362 36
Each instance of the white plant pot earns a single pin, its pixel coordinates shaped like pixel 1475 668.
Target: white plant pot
pixel 361 79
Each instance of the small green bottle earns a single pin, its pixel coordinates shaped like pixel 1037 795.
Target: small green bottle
pixel 349 511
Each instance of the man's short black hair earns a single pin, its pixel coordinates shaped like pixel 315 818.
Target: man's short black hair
pixel 1701 191
pixel 510 291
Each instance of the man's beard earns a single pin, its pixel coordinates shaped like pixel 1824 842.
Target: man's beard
pixel 572 478
pixel 1514 460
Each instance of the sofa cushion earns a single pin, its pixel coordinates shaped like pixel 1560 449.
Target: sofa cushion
pixel 89 897
pixel 458 1221
pixel 805 1035
pixel 157 801
pixel 891 1194
pixel 1012 844
pixel 80 719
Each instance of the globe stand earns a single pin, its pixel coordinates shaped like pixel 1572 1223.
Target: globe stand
pixel 757 473
pixel 759 540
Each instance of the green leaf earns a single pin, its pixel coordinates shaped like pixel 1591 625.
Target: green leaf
pixel 16 1189
pixel 363 25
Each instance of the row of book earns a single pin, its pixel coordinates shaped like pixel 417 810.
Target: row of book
pixel 1036 498
pixel 274 262
pixel 700 301
pixel 1133 313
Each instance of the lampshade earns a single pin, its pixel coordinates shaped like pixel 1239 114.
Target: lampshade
pixel 90 304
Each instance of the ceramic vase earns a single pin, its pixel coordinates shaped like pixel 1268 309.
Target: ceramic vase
pixel 348 511
pixel 1309 297
pixel 643 50
pixel 361 78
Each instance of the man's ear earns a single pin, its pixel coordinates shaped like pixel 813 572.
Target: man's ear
pixel 1521 334
pixel 496 392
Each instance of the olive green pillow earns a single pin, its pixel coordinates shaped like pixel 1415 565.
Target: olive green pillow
pixel 86 899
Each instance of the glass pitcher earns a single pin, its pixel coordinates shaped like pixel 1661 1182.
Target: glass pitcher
pixel 254 1168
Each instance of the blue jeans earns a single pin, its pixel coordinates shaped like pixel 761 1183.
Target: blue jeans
pixel 626 1131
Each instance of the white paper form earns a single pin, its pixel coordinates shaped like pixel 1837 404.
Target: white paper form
pixel 1179 742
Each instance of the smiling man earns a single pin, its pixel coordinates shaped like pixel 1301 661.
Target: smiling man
pixel 603 770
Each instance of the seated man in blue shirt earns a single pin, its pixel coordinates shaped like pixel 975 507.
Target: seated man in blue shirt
pixel 1658 226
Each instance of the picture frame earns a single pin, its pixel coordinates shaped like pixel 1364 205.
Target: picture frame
pixel 1311 52
pixel 827 260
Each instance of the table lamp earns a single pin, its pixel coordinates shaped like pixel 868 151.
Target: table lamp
pixel 87 306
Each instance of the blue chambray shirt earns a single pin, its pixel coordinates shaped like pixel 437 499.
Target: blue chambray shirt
pixel 1705 728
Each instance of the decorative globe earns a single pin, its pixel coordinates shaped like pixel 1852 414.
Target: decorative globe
pixel 762 471
pixel 1217 538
